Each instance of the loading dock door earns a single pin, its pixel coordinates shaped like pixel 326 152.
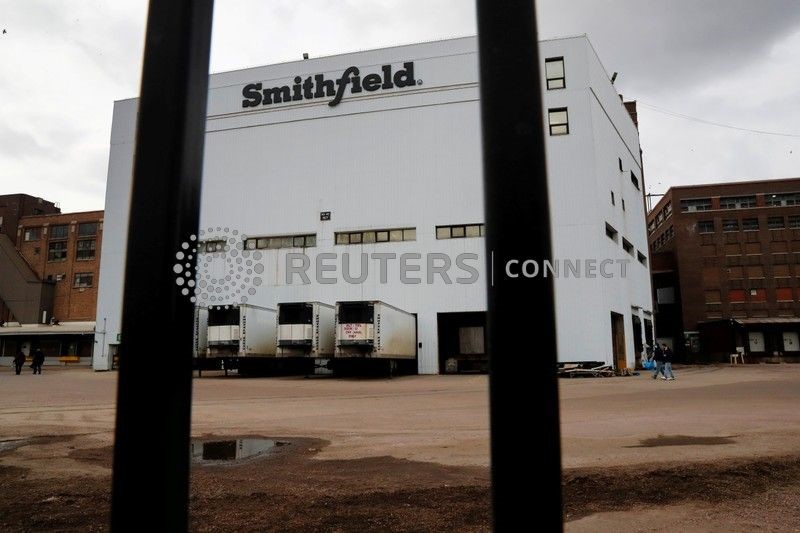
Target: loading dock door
pixel 756 340
pixel 462 342
pixel 790 342
pixel 470 340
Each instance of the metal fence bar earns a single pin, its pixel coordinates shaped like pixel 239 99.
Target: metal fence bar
pixel 523 387
pixel 151 453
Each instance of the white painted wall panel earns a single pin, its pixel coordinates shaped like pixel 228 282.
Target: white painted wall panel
pixel 408 157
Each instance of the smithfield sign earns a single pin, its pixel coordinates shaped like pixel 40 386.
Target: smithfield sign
pixel 318 87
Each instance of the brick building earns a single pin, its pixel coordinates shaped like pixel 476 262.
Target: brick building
pixel 48 282
pixel 725 260
pixel 15 206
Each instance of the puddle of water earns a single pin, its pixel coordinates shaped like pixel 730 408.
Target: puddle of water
pixel 8 445
pixel 682 440
pixel 231 450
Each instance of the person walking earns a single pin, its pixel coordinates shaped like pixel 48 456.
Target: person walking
pixel 38 361
pixel 19 360
pixel 658 357
pixel 668 356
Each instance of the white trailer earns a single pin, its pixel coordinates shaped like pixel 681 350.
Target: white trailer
pixel 375 330
pixel 306 329
pixel 241 331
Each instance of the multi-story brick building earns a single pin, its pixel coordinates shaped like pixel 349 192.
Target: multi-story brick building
pixel 15 206
pixel 50 285
pixel 725 261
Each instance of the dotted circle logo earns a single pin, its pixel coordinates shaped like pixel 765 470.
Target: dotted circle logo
pixel 226 272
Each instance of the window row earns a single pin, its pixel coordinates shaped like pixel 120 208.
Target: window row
pixel 613 234
pixel 664 238
pixel 456 231
pixel 84 251
pixel 460 231
pixel 691 205
pixel 371 236
pixel 740 296
pixel 285 241
pixel 87 229
pixel 749 224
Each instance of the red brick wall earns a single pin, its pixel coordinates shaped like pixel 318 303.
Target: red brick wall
pixel 71 303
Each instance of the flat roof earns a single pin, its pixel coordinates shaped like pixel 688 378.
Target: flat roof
pixel 64 328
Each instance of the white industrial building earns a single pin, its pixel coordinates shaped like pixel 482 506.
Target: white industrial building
pixel 394 167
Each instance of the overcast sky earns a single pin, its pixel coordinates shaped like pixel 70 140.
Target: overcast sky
pixel 733 62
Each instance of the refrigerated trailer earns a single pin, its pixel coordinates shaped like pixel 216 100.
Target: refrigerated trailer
pixel 306 329
pixel 241 331
pixel 234 337
pixel 375 331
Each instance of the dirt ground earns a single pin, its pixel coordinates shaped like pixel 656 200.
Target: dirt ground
pixel 716 450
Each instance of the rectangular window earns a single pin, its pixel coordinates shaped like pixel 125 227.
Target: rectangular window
pixel 554 72
pixel 59 232
pixel 705 226
pixel 619 161
pixel 758 295
pixel 85 249
pixel 750 224
pixel 733 249
pixel 642 258
pixel 755 272
pixel 752 248
pixel 737 202
pixel 272 243
pixel 736 296
pixel 735 272
pixel 784 294
pixel 695 204
pixel 782 199
pixel 781 271
pixel 88 229
pixel 212 246
pixel 713 297
pixel 623 204
pixel 558 120
pixel 611 233
pixel 730 225
pixel 84 279
pixel 635 180
pixel 627 246
pixel 794 221
pixel 57 251
pixel 455 232
pixel 373 236
pixel 775 223
pixel 612 198
pixel 33 234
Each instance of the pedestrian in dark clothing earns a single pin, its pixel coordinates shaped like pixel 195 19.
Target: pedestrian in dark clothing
pixel 38 361
pixel 658 357
pixel 19 360
pixel 668 356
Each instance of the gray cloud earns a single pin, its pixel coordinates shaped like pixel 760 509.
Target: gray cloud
pixel 730 61
pixel 660 46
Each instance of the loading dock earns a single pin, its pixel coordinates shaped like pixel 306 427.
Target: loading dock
pixel 462 342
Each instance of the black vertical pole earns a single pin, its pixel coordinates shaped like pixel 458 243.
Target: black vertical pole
pixel 151 453
pixel 521 320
